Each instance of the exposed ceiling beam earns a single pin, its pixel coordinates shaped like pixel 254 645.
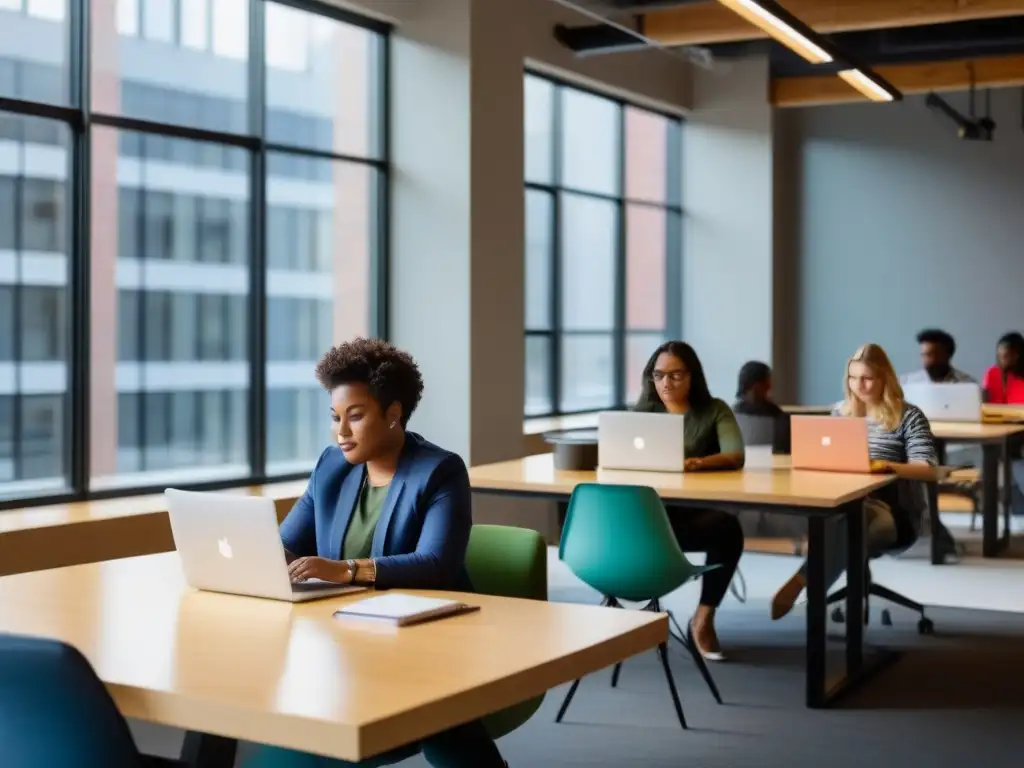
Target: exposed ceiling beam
pixel 711 22
pixel 992 72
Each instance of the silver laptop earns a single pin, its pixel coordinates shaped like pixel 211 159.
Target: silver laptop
pixel 232 543
pixel 946 402
pixel 645 441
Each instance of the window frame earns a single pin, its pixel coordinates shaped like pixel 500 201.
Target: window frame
pixel 78 115
pixel 555 190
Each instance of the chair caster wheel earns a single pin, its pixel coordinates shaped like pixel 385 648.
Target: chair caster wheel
pixel 886 618
pixel 925 626
pixel 838 616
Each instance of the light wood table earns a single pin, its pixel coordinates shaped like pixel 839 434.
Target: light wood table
pixel 997 442
pixel 58 535
pixel 767 482
pixel 293 676
pixel 993 413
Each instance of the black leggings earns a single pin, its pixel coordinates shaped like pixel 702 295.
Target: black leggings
pixel 720 536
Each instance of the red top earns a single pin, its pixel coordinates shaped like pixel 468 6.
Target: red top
pixel 1011 394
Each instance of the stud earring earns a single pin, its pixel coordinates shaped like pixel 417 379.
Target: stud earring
pixel 393 424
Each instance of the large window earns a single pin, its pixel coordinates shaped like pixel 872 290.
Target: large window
pixel 603 246
pixel 186 224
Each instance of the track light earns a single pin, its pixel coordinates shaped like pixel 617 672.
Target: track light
pixel 778 23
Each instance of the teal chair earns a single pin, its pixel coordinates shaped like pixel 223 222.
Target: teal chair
pixel 504 561
pixel 55 711
pixel 618 539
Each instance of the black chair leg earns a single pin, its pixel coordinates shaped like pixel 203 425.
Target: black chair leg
pixel 568 699
pixel 615 674
pixel 702 666
pixel 663 653
pixel 896 598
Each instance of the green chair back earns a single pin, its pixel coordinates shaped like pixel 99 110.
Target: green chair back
pixel 618 539
pixel 508 562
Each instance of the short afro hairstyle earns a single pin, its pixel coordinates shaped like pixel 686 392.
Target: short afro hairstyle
pixel 937 336
pixel 390 374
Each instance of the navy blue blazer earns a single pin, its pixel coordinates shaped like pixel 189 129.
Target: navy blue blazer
pixel 421 537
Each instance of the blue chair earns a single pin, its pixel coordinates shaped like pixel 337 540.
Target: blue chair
pixel 55 712
pixel 618 539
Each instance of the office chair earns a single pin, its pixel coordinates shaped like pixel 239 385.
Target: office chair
pixel 618 540
pixel 925 626
pixel 55 711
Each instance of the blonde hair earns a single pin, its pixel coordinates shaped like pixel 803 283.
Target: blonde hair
pixel 889 412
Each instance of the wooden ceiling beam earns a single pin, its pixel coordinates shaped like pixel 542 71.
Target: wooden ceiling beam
pixel 711 22
pixel 990 72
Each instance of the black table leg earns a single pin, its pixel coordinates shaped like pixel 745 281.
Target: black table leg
pixel 821 690
pixel 816 614
pixel 204 750
pixel 1007 490
pixel 990 453
pixel 856 578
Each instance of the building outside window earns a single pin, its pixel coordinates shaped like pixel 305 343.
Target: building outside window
pixel 224 208
pixel 603 245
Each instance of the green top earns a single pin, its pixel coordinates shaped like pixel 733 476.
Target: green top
pixel 712 430
pixel 359 537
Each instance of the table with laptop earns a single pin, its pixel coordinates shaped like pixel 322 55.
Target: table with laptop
pixel 215 639
pixel 830 476
pixel 958 415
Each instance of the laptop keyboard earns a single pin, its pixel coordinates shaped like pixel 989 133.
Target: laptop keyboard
pixel 313 585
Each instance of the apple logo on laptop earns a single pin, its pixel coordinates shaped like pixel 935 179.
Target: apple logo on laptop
pixel 225 549
pixel 826 441
pixel 638 443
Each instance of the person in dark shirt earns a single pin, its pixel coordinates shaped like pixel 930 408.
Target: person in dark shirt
pixel 753 398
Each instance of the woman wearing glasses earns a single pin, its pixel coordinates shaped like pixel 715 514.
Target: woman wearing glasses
pixel 673 382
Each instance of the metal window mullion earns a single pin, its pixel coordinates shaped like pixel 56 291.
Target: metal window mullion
pixel 78 415
pixel 555 345
pixel 257 402
pixel 381 254
pixel 620 287
pixel 19 225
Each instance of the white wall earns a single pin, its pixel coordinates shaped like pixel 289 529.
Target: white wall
pixel 728 253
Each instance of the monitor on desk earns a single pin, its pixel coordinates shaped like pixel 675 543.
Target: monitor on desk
pixel 946 402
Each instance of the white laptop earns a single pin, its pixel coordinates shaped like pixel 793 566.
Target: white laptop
pixel 232 543
pixel 645 441
pixel 946 402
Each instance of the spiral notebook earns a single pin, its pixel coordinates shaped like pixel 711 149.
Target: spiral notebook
pixel 403 610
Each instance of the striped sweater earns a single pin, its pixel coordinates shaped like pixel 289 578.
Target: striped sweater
pixel 912 440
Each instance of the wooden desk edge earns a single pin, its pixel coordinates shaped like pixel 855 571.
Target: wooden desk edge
pixel 78 542
pixel 359 741
pixel 556 491
pixel 504 692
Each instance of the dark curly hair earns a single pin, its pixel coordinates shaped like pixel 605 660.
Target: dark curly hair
pixel 938 336
pixel 390 374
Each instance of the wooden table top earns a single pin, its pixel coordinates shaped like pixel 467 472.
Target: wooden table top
pixel 1005 413
pixel 58 535
pixel 765 481
pixel 292 675
pixel 974 431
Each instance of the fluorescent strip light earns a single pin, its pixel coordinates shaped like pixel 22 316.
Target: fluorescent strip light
pixel 760 17
pixel 865 85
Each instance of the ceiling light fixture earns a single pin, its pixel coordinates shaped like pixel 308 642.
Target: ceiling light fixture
pixel 780 24
pixel 872 87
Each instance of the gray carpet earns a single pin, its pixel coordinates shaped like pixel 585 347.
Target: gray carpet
pixel 954 699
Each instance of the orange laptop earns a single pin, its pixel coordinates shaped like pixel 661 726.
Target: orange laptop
pixel 830 443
